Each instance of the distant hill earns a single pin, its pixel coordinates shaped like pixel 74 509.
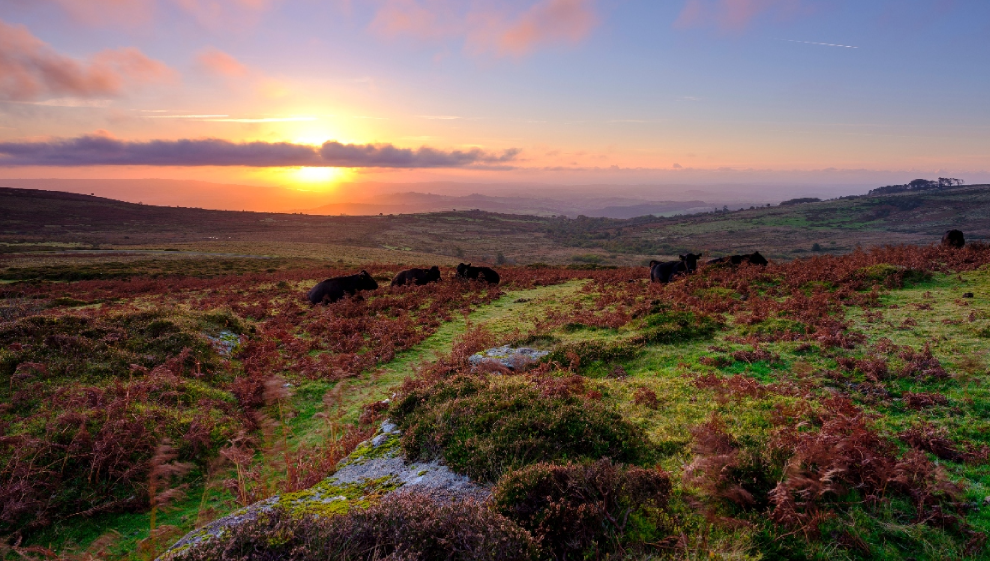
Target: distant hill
pixel 411 202
pixel 188 193
pixel 836 226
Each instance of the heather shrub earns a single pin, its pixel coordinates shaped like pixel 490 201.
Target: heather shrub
pixel 484 425
pixel 776 328
pixel 403 526
pixel 88 400
pixel 811 475
pixel 664 325
pixel 585 510
pixel 892 276
pixel 724 469
pixel 84 348
pixel 585 353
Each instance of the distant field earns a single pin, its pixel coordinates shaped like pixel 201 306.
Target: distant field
pixel 61 225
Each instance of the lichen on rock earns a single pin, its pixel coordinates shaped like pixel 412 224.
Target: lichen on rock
pixel 375 469
pixel 513 358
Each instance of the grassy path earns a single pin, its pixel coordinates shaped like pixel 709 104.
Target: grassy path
pixel 516 310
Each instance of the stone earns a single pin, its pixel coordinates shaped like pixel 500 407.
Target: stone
pixel 376 468
pixel 513 358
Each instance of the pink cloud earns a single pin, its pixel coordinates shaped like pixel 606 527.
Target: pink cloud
pixel 733 15
pixel 398 18
pixel 30 69
pixel 547 22
pixel 225 14
pixel 106 12
pixel 486 30
pixel 219 63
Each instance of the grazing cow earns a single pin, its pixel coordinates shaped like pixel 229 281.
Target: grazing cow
pixel 752 258
pixel 418 277
pixel 331 290
pixel 953 239
pixel 665 271
pixel 477 273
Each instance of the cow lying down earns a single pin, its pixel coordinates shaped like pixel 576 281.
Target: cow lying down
pixel 478 273
pixel 332 290
pixel 665 271
pixel 417 277
pixel 752 258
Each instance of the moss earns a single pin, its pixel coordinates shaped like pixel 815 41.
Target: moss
pixel 588 352
pixel 893 276
pixel 389 448
pixel 665 325
pixel 775 326
pixel 329 499
pixel 483 426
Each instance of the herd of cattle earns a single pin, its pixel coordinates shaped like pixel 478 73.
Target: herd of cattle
pixel 332 290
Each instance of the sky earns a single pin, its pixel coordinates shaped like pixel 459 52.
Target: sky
pixel 315 94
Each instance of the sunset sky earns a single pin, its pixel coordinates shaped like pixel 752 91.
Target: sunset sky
pixel 312 93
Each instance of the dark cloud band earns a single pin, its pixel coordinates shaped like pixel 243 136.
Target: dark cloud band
pixel 104 151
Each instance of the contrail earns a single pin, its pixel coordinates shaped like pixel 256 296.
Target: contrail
pixel 820 44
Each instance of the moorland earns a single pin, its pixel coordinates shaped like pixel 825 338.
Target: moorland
pixel 162 368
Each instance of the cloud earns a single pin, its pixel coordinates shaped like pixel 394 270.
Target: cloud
pixel 225 14
pixel 388 156
pixel 820 44
pixel 487 29
pixel 30 69
pixel 733 15
pixel 108 12
pixel 398 18
pixel 101 149
pixel 545 23
pixel 218 63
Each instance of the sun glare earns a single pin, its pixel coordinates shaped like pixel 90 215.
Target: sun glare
pixel 317 178
pixel 317 175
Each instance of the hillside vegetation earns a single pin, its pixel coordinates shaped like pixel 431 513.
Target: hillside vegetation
pixel 68 224
pixel 827 407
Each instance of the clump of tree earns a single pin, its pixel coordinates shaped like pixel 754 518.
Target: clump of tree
pixel 801 201
pixel 920 185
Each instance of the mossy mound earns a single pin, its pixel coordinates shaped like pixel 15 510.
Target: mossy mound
pixel 483 426
pixel 665 325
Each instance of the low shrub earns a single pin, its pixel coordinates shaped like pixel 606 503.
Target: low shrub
pixel 725 470
pixel 923 400
pixel 804 480
pixel 892 276
pixel 646 397
pixel 87 401
pixel 776 328
pixel 675 326
pixel 485 425
pixel 588 352
pixel 585 510
pixel 933 439
pixel 402 527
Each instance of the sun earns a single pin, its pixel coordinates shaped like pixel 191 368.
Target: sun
pixel 317 178
pixel 318 175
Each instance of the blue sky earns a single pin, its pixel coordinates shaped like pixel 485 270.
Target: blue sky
pixel 573 90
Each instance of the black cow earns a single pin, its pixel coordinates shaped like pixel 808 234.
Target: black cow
pixel 331 290
pixel 665 271
pixel 477 273
pixel 418 277
pixel 752 258
pixel 953 239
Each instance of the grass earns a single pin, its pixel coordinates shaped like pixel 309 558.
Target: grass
pixel 691 354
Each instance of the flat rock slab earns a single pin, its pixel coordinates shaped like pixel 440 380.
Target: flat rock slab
pixel 509 357
pixel 374 470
